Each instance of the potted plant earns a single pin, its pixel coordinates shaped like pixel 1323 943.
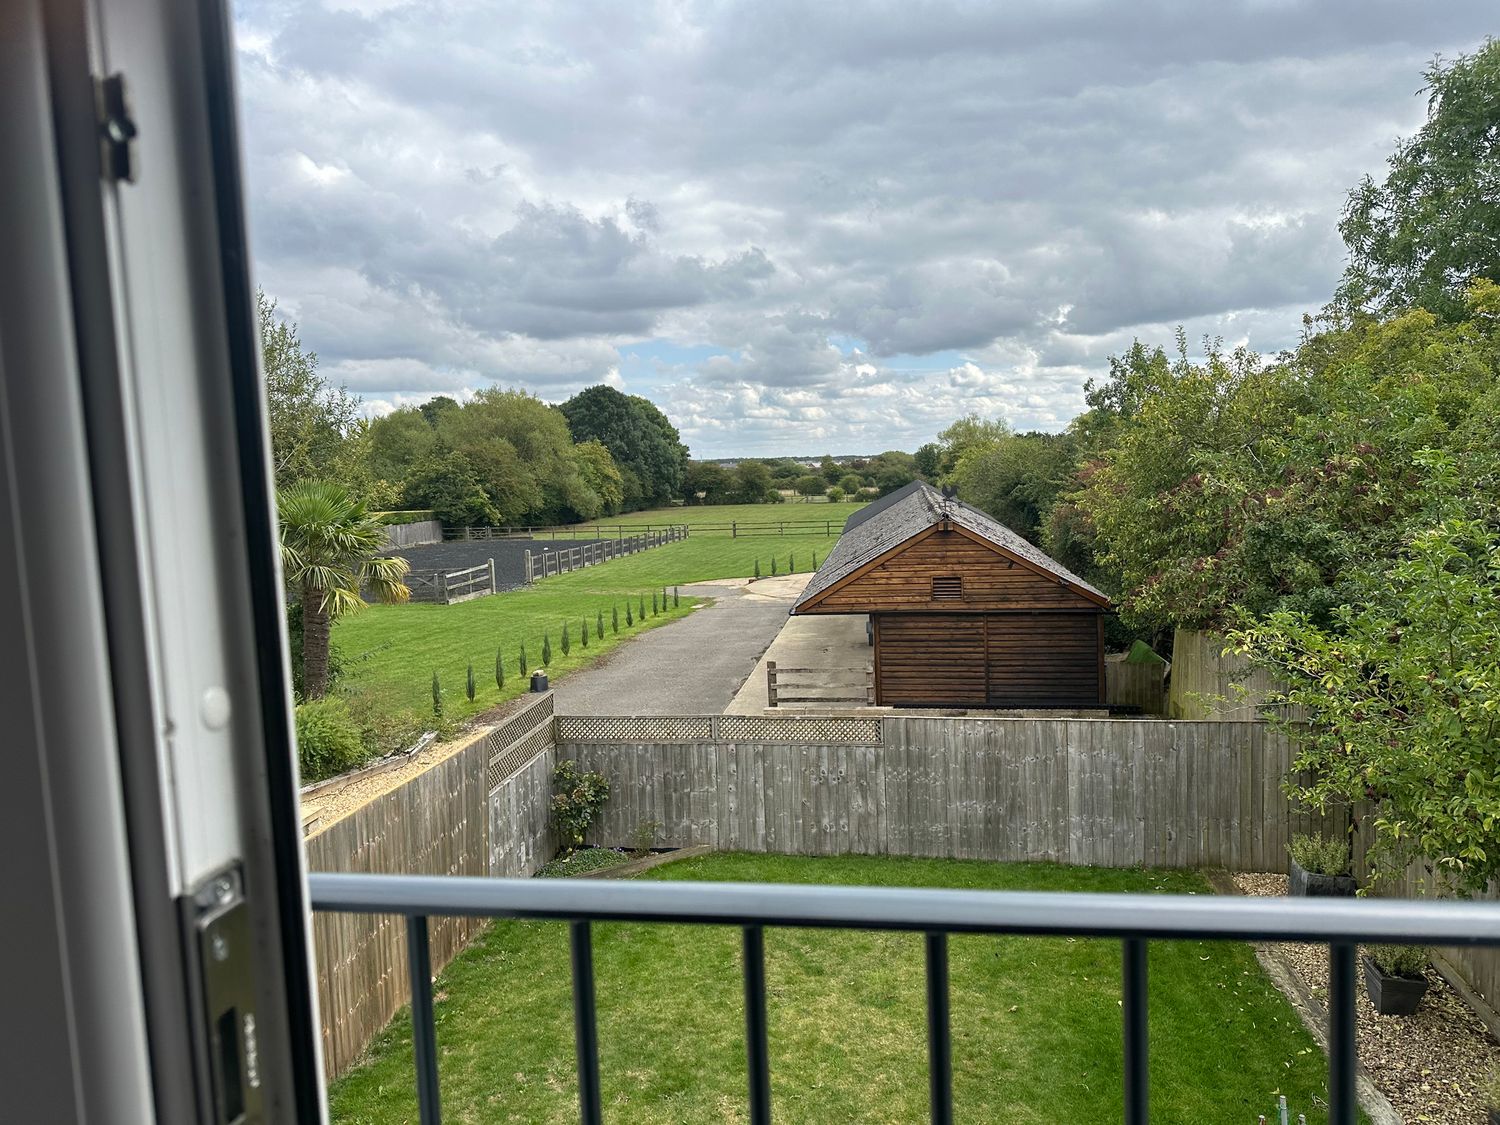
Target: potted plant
pixel 1394 978
pixel 1318 866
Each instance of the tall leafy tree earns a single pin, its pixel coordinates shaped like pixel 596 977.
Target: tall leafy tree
pixel 644 444
pixel 1432 226
pixel 330 552
pixel 310 419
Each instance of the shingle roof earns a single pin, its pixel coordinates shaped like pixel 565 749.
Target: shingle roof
pixel 908 512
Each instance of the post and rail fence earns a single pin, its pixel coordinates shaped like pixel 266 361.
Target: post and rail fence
pixel 545 563
pixel 733 528
pixel 452 586
pixel 857 683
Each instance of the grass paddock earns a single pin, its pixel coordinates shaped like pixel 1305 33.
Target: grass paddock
pixel 1036 1021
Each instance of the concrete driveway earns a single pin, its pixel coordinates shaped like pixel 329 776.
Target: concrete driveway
pixel 693 666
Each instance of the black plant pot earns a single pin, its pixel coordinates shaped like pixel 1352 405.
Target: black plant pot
pixel 1393 995
pixel 1304 882
pixel 1494 1115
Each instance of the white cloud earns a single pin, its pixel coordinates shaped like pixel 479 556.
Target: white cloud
pixel 445 198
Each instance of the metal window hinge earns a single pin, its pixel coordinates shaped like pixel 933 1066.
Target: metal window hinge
pixel 116 130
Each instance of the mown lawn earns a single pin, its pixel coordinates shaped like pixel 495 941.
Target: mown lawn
pixel 758 515
pixel 390 652
pixel 1036 1021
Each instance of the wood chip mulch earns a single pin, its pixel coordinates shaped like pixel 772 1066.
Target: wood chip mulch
pixel 1433 1065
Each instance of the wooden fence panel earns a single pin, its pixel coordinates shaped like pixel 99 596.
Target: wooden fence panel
pixel 1206 684
pixel 1112 793
pixel 448 820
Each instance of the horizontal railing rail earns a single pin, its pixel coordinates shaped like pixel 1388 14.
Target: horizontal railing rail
pixel 1133 919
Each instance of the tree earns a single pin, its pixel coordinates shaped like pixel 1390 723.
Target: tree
pixel 851 484
pixel 929 461
pixel 706 483
pixel 434 408
pixel 829 469
pixel 1432 227
pixel 330 552
pixel 309 418
pixel 643 443
pixel 1395 703
pixel 400 444
pixel 810 486
pixel 752 483
pixel 602 477
pixel 451 488
pixel 1018 479
pixel 835 495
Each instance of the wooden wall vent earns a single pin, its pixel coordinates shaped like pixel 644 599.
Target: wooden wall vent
pixel 948 588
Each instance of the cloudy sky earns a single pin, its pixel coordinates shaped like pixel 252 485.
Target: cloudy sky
pixel 810 227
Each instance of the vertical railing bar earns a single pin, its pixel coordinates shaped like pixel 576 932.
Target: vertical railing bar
pixel 1137 1055
pixel 1342 1055
pixel 423 1033
pixel 758 1055
pixel 585 1025
pixel 939 1043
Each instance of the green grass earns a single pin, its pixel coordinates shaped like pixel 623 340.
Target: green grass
pixel 1036 1021
pixel 390 652
pixel 833 515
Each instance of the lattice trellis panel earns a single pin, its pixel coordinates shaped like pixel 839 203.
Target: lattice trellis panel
pixel 647 728
pixel 753 728
pixel 510 759
pixel 538 711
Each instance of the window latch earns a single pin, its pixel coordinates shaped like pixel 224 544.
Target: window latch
pixel 117 130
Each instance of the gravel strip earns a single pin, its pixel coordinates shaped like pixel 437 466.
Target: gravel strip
pixel 1431 1065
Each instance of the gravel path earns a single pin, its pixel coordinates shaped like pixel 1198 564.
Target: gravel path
pixel 693 666
pixel 1431 1065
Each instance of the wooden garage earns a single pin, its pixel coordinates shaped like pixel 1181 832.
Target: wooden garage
pixel 964 612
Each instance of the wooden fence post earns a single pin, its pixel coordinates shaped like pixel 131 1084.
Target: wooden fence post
pixel 870 684
pixel 492 576
pixel 770 683
pixel 442 588
pixel 526 565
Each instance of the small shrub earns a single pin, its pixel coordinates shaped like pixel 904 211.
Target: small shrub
pixel 523 664
pixel 676 597
pixel 791 563
pixel 642 613
pixel 599 626
pixel 566 644
pixel 583 632
pixel 773 566
pixel 1319 855
pixel 469 685
pixel 815 560
pixel 576 801
pixel 629 618
pixel 437 695
pixel 654 609
pixel 328 739
pixel 643 837
pixel 1399 960
pixel 383 730
pixel 1492 1089
pixel 499 670
pixel 614 618
pixel 757 568
pixel 546 650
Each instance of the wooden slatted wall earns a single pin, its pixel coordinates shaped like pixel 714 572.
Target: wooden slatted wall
pixel 1112 793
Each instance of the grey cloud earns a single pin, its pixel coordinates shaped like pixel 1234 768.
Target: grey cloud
pixel 1026 184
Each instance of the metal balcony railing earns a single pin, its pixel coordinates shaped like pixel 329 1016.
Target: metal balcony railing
pixel 1340 924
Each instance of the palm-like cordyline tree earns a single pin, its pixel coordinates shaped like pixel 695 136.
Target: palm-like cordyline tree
pixel 330 551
